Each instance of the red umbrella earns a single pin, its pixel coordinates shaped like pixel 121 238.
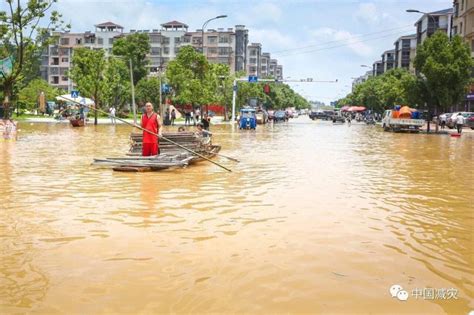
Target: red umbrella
pixel 345 108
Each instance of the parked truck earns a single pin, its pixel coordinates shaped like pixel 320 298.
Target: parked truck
pixel 389 123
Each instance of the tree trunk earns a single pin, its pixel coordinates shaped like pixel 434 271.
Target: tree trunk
pixel 96 106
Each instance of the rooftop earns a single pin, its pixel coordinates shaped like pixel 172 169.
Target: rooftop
pixel 174 24
pixel 109 24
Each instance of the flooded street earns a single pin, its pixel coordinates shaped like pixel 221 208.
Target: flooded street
pixel 315 218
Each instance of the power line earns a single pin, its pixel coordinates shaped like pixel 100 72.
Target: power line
pixel 333 41
pixel 335 46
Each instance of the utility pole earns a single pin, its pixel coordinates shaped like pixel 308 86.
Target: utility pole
pixel 134 106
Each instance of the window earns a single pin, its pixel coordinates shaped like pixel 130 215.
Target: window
pixel 100 40
pixel 63 70
pixel 472 45
pixel 186 39
pixel 155 50
pixel 224 39
pixel 64 41
pixel 253 52
pixel 405 43
pixel 154 38
pixel 64 51
pixel 253 60
pixel 177 40
pixel 462 5
pixel 64 78
pixel 64 59
pixel 166 50
pixel 461 30
pixel 78 41
pixel 212 50
pixel 212 39
pixel 176 50
pixel 165 40
pixel 55 61
pixel 111 41
pixel 55 80
pixel 224 50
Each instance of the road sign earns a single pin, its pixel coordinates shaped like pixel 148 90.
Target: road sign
pixel 165 88
pixel 253 79
pixel 74 94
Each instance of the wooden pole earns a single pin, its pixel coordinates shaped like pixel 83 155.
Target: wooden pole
pixel 155 134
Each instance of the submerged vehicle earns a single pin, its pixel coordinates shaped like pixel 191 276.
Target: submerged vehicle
pixel 248 118
pixel 280 116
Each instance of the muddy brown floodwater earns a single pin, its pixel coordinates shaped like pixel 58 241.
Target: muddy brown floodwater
pixel 316 218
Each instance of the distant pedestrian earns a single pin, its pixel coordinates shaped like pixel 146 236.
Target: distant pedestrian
pixel 197 114
pixel 187 117
pixel 167 120
pixel 459 122
pixel 205 122
pixel 173 117
pixel 112 115
pixel 442 120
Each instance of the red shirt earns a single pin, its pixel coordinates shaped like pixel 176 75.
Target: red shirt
pixel 151 124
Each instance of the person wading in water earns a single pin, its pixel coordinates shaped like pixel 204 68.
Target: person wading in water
pixel 151 122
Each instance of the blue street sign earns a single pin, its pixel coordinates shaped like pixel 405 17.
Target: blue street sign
pixel 165 88
pixel 235 88
pixel 74 94
pixel 253 79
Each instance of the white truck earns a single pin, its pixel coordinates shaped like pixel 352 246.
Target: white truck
pixel 399 124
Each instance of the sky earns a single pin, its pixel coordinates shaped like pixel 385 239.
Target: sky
pixel 326 40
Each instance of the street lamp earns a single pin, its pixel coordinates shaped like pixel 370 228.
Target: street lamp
pixel 365 66
pixel 427 14
pixel 204 26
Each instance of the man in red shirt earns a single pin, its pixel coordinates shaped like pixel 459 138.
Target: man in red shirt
pixel 151 122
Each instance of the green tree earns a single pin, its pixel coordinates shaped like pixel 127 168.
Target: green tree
pixel 28 96
pixel 148 90
pixel 135 47
pixel 186 75
pixel 88 72
pixel 117 87
pixel 444 68
pixel 22 40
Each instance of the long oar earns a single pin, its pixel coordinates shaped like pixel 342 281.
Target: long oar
pixel 155 134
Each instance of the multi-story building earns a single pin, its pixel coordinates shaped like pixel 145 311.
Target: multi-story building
pixel 279 72
pixel 265 64
pixel 405 50
pixel 225 46
pixel 388 60
pixel 361 79
pixel 463 25
pixel 273 68
pixel 429 23
pixel 164 43
pixel 218 45
pixel 253 59
pixel 377 68
pixel 463 21
pixel 241 43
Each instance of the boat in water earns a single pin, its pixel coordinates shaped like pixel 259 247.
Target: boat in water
pixel 171 155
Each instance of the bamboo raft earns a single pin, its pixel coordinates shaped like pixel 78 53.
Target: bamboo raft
pixel 171 155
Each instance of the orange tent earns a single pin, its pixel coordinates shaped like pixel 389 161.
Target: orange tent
pixel 405 112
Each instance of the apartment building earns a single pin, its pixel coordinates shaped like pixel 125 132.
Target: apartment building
pixel 388 60
pixel 429 23
pixel 405 51
pixel 273 67
pixel 218 46
pixel 361 79
pixel 463 25
pixel 265 64
pixel 164 43
pixel 279 72
pixel 377 68
pixel 254 54
pixel 463 21
pixel 241 43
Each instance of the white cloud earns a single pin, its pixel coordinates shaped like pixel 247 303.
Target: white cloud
pixel 367 13
pixel 342 37
pixel 271 39
pixel 260 13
